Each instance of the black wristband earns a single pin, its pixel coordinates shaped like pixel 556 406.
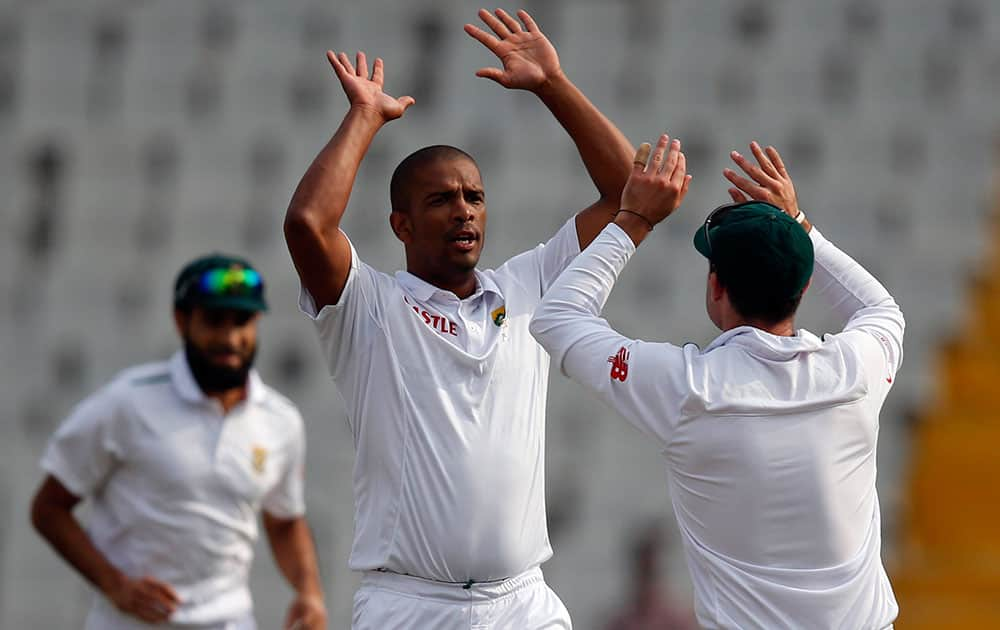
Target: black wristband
pixel 648 222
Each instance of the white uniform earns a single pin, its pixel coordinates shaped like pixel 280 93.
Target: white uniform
pixel 176 486
pixel 446 401
pixel 770 441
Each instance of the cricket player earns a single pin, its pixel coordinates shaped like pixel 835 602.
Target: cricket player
pixel 769 432
pixel 176 459
pixel 444 386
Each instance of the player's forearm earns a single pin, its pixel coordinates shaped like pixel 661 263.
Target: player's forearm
pixel 604 149
pixel 571 308
pixel 295 554
pixel 322 195
pixel 63 532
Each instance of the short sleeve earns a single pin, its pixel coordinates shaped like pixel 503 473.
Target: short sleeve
pixel 539 267
pixel 348 327
pixel 287 498
pixel 86 448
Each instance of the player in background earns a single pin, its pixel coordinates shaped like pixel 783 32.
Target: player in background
pixel 177 459
pixel 769 432
pixel 444 387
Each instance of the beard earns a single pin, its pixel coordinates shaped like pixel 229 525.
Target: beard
pixel 213 378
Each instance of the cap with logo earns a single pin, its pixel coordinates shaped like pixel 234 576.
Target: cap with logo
pixel 220 281
pixel 758 246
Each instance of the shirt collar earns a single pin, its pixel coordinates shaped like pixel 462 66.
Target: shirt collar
pixel 726 336
pixel 423 291
pixel 764 342
pixel 188 389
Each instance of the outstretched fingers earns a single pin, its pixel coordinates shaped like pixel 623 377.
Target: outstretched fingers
pixel 378 72
pixel 482 37
pixel 335 63
pixel 764 161
pixel 678 175
pixel 345 61
pixel 362 65
pixel 673 156
pixel 529 22
pixel 751 188
pixel 494 23
pixel 656 161
pixel 751 169
pixel 511 24
pixel 779 164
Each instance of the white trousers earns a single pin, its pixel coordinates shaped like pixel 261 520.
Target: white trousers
pixel 389 601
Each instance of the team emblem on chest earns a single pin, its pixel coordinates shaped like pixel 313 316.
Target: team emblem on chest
pixel 499 315
pixel 258 459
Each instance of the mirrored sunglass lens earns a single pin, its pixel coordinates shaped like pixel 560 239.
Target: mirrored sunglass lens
pixel 230 281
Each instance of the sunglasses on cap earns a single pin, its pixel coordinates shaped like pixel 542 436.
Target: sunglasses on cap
pixel 716 216
pixel 222 283
pixel 231 281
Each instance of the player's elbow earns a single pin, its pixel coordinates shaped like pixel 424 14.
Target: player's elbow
pixel 41 514
pixel 895 315
pixel 541 326
pixel 301 226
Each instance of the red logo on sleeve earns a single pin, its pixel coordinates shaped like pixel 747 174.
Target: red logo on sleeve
pixel 619 365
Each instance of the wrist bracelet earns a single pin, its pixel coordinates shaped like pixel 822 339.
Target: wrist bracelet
pixel 800 217
pixel 648 222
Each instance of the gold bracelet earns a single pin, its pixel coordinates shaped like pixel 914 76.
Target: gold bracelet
pixel 648 222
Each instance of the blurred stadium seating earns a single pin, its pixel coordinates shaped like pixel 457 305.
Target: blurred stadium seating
pixel 137 134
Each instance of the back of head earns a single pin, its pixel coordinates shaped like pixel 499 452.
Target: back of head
pixel 762 256
pixel 411 164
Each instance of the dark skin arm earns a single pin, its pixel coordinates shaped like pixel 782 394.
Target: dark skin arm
pixel 52 516
pixel 530 63
pixel 320 251
pixel 295 554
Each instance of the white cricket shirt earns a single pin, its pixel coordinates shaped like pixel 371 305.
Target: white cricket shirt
pixel 770 441
pixel 176 486
pixel 446 402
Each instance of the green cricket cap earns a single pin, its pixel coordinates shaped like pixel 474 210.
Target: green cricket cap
pixel 220 281
pixel 757 245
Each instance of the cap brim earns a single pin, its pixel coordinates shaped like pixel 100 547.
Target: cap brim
pixel 701 243
pixel 240 303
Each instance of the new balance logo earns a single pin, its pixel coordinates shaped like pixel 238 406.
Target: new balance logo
pixel 619 365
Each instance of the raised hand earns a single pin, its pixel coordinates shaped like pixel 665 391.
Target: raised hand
pixel 145 598
pixel 656 189
pixel 768 180
pixel 529 59
pixel 365 91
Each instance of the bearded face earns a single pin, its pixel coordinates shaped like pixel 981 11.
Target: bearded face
pixel 220 346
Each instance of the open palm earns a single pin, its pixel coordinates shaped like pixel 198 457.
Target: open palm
pixel 365 91
pixel 529 59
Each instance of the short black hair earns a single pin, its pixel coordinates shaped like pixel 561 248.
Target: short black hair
pixel 401 177
pixel 752 298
